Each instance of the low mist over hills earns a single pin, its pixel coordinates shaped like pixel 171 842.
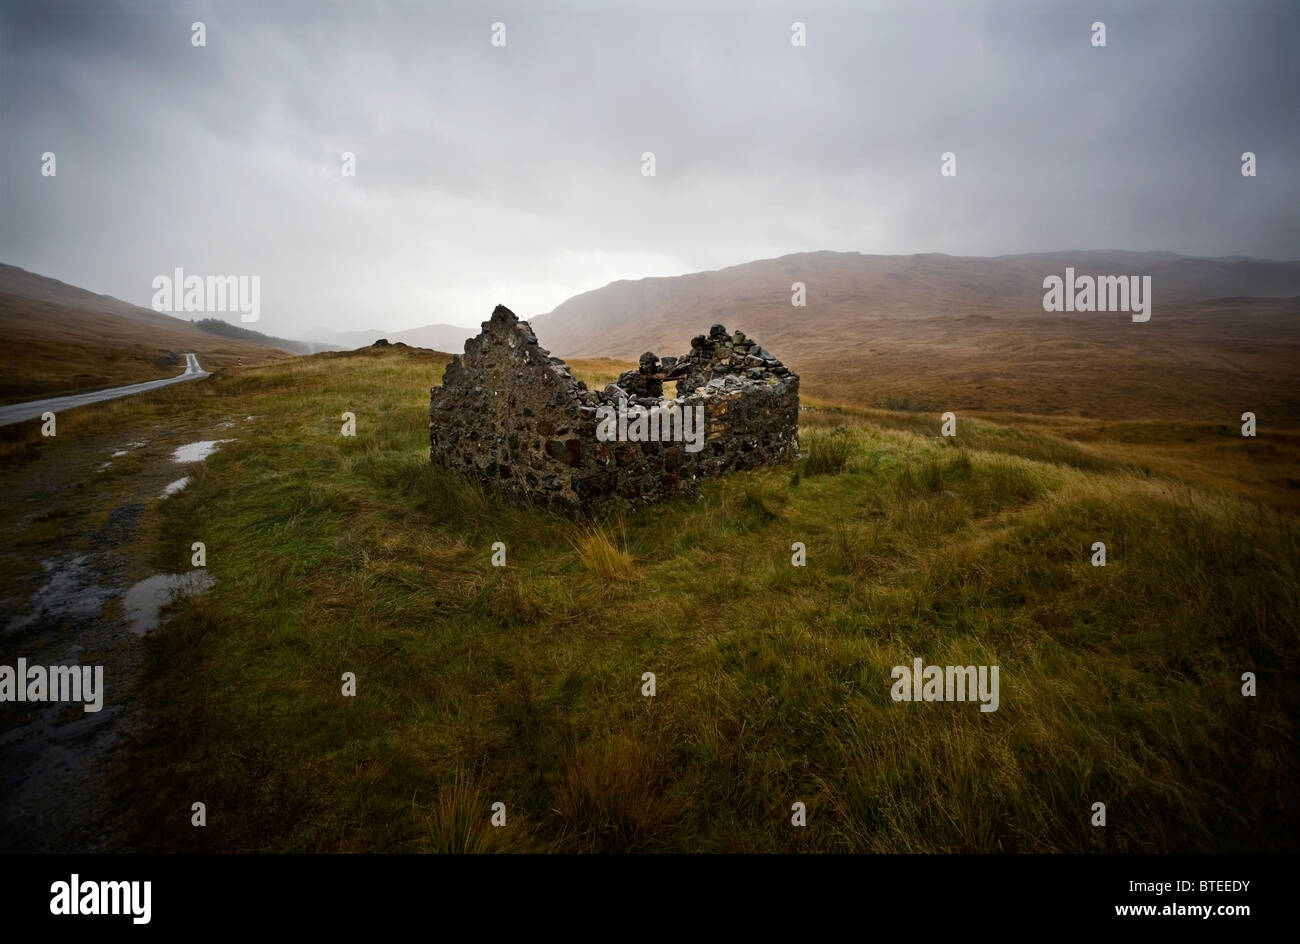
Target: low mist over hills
pixel 934 331
pixel 436 337
pixel 228 330
pixel 847 290
pixel 60 339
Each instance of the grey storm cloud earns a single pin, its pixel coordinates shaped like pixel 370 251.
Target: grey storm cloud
pixel 487 174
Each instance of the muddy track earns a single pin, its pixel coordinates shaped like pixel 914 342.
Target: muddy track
pixel 74 523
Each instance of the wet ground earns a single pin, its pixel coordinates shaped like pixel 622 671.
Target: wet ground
pixel 76 590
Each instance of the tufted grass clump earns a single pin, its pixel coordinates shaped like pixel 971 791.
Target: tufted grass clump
pixel 459 822
pixel 828 451
pixel 602 553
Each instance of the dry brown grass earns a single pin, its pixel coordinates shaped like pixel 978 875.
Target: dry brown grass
pixel 51 348
pixel 602 551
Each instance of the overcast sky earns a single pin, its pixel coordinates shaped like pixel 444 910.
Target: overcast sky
pixel 514 173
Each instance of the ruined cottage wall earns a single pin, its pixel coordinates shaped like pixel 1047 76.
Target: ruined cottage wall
pixel 505 413
pixel 754 416
pixel 512 416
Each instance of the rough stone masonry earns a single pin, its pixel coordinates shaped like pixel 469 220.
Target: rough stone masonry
pixel 512 416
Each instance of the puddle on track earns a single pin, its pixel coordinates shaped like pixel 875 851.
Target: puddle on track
pixel 197 451
pixel 144 601
pixel 174 487
pixel 72 592
pixel 129 448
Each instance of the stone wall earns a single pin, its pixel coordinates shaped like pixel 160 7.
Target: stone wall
pixel 512 416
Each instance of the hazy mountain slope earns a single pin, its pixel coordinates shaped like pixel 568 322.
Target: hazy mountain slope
pixel 437 337
pixel 350 340
pixel 846 291
pixel 942 332
pixel 57 338
pixel 228 330
pixel 19 283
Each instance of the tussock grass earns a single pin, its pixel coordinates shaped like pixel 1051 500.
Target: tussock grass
pixel 459 822
pixel 603 555
pixel 522 684
pixel 828 451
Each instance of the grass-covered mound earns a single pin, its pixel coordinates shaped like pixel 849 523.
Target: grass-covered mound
pixel 522 685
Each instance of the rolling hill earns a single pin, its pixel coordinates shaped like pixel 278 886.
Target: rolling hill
pixel 227 330
pixel 63 339
pixel 933 331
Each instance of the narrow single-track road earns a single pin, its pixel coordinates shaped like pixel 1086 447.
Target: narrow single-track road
pixel 19 412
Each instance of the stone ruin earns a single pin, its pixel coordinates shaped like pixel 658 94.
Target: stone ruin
pixel 512 416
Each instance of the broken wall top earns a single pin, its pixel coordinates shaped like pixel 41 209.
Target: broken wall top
pixel 717 362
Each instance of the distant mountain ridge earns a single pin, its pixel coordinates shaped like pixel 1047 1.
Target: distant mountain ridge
pixel 61 339
pixel 19 283
pixel 846 290
pixel 228 330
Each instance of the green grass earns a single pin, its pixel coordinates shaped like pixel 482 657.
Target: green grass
pixel 522 685
pixel 827 451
